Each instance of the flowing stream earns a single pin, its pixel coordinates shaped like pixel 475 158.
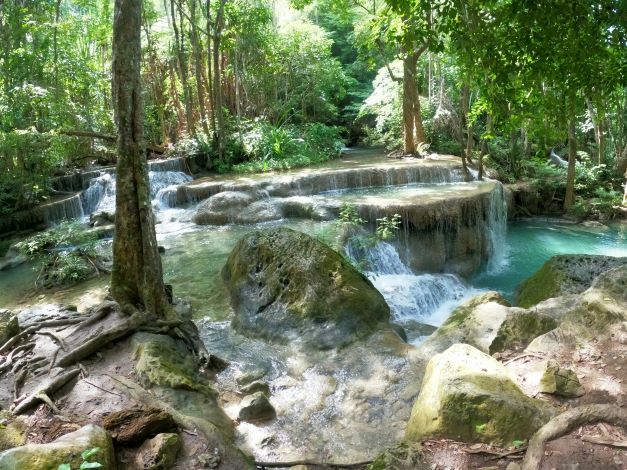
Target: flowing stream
pixel 334 404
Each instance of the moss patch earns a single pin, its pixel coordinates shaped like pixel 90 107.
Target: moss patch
pixel 564 274
pixel 519 329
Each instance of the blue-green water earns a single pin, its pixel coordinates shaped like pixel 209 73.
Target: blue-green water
pixel 531 243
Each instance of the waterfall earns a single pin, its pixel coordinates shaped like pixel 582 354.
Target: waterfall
pixel 100 195
pixel 497 228
pixel 427 298
pixel 65 209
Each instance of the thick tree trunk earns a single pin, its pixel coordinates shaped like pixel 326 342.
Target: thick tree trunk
pixel 569 198
pixel 136 278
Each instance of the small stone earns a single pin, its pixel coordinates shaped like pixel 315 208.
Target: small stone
pixel 560 381
pixel 513 466
pixel 256 386
pixel 256 408
pixel 209 460
pixel 159 453
pixel 9 326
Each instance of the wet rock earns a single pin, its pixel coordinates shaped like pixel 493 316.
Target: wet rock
pixel 259 211
pixel 400 331
pixel 562 275
pixel 158 453
pixel 9 326
pixel 560 381
pixel 222 208
pixel 250 376
pixel 257 386
pixel 65 450
pixel 488 323
pixel 256 408
pixel 134 425
pixel 469 396
pixel 286 285
pixel 101 219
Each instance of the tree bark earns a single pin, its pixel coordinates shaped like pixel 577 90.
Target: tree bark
pixel 217 82
pixel 465 97
pixel 137 276
pixel 195 38
pixel 409 103
pixel 182 69
pixel 569 198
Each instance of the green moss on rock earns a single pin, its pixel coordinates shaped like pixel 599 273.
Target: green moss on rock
pixel 66 449
pixel 286 285
pixel 13 434
pixel 467 395
pixel 560 381
pixel 519 329
pixel 564 274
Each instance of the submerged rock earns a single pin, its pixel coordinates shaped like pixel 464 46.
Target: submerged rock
pixel 562 275
pixel 256 408
pixel 65 450
pixel 560 381
pixel 286 285
pixel 469 396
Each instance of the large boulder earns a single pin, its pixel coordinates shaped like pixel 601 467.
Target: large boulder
pixel 286 285
pixel 65 450
pixel 488 323
pixel 562 275
pixel 469 396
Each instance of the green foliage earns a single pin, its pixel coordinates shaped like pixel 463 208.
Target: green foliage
pixel 388 227
pixel 85 464
pixel 64 254
pixel 349 216
pixel 267 147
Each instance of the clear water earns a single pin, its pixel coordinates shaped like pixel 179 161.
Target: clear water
pixel 529 244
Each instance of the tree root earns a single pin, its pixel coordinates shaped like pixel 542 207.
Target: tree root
pixel 48 387
pixel 567 421
pixel 99 339
pixel 142 395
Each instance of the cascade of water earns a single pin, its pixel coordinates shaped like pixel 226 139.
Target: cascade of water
pixel 170 164
pixel 100 195
pixel 497 227
pixel 65 209
pixel 427 298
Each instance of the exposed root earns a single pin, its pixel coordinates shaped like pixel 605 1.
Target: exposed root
pixel 46 388
pixel 99 339
pixel 566 422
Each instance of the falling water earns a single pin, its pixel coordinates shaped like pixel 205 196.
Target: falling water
pixel 497 228
pixel 100 195
pixel 427 298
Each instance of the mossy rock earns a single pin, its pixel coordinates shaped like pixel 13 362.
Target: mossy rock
pixel 65 450
pixel 519 328
pixel 286 285
pixel 12 433
pixel 166 362
pixel 9 326
pixel 467 395
pixel 403 456
pixel 560 381
pixel 562 275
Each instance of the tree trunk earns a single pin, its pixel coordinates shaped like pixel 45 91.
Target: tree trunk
pixel 217 83
pixel 465 96
pixel 182 69
pixel 137 277
pixel 198 69
pixel 409 90
pixel 485 146
pixel 569 198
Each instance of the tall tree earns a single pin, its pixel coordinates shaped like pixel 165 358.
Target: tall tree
pixel 137 277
